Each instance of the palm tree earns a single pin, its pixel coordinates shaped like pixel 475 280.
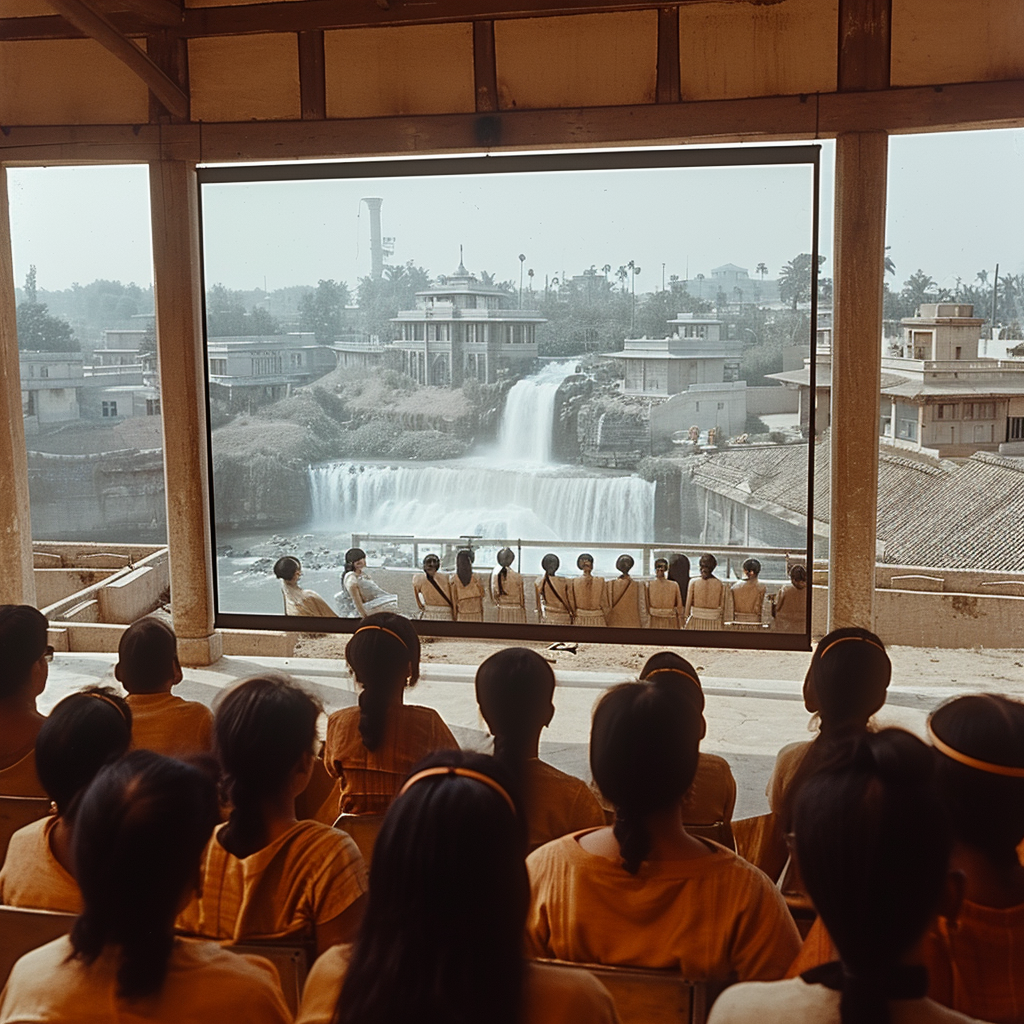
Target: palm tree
pixel 890 267
pixel 762 269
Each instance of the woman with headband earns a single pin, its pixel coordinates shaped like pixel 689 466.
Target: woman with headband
pixel 873 842
pixel 644 892
pixel 83 732
pixel 443 935
pixel 370 748
pixel 845 686
pixel 266 875
pixel 976 960
pixel 712 797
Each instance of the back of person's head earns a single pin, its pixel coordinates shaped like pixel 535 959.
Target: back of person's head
pixel 83 732
pixel 668 662
pixel 624 563
pixel 505 558
pixel 708 563
pixel 847 679
pixel 384 655
pixel 147 656
pixel 550 563
pixel 140 830
pixel 515 689
pixel 752 566
pixel 262 729
pixel 679 571
pixel 22 644
pixel 979 741
pixel 464 566
pixel 644 745
pixel 585 557
pixel 873 846
pixel 286 567
pixel 798 574
pixel 442 939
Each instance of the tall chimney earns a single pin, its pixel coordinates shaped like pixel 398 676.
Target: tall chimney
pixel 373 204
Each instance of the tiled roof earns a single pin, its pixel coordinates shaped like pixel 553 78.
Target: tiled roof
pixel 967 515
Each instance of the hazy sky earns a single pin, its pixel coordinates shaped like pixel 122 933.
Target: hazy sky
pixel 954 209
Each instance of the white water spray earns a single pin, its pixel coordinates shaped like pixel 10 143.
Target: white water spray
pixel 528 420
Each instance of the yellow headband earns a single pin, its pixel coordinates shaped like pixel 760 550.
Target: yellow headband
pixel 113 703
pixel 384 629
pixel 862 639
pixel 973 762
pixel 677 671
pixel 466 773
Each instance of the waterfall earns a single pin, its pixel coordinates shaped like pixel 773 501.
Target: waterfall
pixel 476 497
pixel 528 419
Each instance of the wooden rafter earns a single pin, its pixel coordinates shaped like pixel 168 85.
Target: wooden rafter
pixel 96 26
pixel 165 13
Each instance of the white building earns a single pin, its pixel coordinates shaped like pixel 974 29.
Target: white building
pixel 265 368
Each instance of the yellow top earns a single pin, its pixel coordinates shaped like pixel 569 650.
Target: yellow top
pixel 169 725
pixel 712 918
pixel 302 879
pixel 557 803
pixel 370 779
pixel 20 779
pixel 32 877
pixel 554 995
pixel 205 985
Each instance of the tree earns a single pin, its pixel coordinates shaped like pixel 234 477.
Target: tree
pixel 917 289
pixel 38 331
pixel 321 311
pixel 762 269
pixel 227 317
pixel 380 300
pixel 795 280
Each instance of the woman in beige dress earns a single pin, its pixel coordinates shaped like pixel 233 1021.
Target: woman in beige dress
pixel 433 592
pixel 551 592
pixel 664 599
pixel 466 589
pixel 789 606
pixel 705 597
pixel 587 595
pixel 296 600
pixel 507 589
pixel 625 597
pixel 748 595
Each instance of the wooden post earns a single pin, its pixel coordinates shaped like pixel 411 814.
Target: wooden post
pixel 174 212
pixel 17 579
pixel 861 167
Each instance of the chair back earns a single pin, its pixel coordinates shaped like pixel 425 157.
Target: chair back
pixel 644 995
pixel 290 959
pixel 363 829
pixel 760 841
pixel 17 812
pixel 22 930
pixel 719 831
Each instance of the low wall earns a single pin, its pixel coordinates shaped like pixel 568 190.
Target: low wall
pixel 769 401
pixel 923 619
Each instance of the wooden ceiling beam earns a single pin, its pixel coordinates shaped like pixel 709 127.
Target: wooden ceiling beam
pixel 96 26
pixel 865 44
pixel 162 13
pixel 897 111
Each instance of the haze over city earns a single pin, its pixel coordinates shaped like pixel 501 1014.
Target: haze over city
pixel 951 213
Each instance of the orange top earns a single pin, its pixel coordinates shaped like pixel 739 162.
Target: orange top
pixel 33 877
pixel 557 803
pixel 712 918
pixel 169 725
pixel 20 779
pixel 370 779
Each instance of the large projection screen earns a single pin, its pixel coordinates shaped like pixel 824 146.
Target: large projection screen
pixel 454 365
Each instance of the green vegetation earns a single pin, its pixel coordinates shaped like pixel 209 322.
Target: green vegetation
pixel 38 331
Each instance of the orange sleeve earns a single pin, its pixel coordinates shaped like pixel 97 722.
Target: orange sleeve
pixel 817 949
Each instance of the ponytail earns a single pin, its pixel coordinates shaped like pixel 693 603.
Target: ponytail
pixel 384 655
pixel 634 838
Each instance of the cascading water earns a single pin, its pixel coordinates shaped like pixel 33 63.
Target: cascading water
pixel 514 491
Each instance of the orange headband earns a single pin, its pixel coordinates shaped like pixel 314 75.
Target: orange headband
pixel 466 773
pixel 113 703
pixel 383 629
pixel 973 762
pixel 677 671
pixel 862 639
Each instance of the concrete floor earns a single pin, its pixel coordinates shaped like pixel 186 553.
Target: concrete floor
pixel 749 719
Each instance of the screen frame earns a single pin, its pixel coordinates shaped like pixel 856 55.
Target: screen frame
pixel 808 155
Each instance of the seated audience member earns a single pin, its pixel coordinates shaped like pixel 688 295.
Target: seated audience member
pixel 371 748
pixel 296 600
pixel 264 874
pixel 83 732
pixel 443 935
pixel 140 829
pixel 712 796
pixel 845 686
pixel 515 690
pixel 873 845
pixel 643 892
pixel 147 667
pixel 24 665
pixel 976 960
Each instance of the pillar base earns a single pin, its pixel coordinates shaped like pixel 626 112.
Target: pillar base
pixel 199 651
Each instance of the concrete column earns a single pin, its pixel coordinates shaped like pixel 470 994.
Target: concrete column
pixel 174 212
pixel 861 167
pixel 17 580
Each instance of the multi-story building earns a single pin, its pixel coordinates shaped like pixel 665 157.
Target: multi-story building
pixel 261 369
pixel 463 329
